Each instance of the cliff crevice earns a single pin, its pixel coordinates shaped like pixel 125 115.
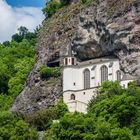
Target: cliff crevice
pixel 96 29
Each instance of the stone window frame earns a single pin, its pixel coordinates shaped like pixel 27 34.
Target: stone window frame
pixel 104 73
pixel 118 75
pixel 86 74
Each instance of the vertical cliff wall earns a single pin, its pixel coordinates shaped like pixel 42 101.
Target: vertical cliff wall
pixel 99 28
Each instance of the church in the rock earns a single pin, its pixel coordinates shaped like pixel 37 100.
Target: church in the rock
pixel 81 80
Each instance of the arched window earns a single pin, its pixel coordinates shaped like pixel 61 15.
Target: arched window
pixel 66 61
pixel 104 73
pixel 118 73
pixel 72 61
pixel 72 97
pixel 86 79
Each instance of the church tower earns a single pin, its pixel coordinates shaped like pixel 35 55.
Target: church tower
pixel 69 60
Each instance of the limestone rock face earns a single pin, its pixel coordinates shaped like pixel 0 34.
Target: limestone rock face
pixel 101 28
pixel 119 35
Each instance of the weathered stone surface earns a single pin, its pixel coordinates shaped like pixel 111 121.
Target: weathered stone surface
pixel 42 95
pixel 108 27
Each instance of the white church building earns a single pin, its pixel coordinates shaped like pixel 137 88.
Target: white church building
pixel 81 80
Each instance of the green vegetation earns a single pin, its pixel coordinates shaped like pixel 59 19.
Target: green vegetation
pixel 53 6
pixel 17 58
pixel 43 119
pixel 113 115
pixel 88 2
pixel 13 128
pixel 47 72
pixel 25 34
pixel 114 7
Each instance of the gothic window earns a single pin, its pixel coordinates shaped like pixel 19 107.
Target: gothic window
pixel 104 73
pixel 118 73
pixel 66 61
pixel 72 97
pixel 72 61
pixel 86 79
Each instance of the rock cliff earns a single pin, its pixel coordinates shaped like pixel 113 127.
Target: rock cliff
pixel 98 28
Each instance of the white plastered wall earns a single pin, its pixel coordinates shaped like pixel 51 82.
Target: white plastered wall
pixel 125 83
pixel 73 78
pixel 82 98
pixel 73 83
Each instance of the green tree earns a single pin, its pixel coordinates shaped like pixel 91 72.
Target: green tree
pixel 23 31
pixel 51 8
pixel 22 131
pixel 12 128
pixel 17 58
pixel 113 115
pixel 121 134
pixel 16 37
pixel 60 109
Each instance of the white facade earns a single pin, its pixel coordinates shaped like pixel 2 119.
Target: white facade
pixel 81 80
pixel 73 75
pixel 82 97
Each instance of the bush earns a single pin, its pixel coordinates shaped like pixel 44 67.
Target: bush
pixel 14 128
pixel 70 127
pixel 53 6
pixel 22 131
pixel 121 134
pixel 43 119
pixel 61 109
pixel 83 127
pixel 47 72
pixel 64 2
pixel 113 115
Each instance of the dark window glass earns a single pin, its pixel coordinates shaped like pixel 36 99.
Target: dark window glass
pixel 66 61
pixel 104 73
pixel 72 97
pixel 86 79
pixel 72 61
pixel 118 73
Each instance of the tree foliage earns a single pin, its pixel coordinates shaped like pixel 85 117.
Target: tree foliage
pixel 53 6
pixel 24 34
pixel 113 115
pixel 17 58
pixel 13 128
pixel 43 119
